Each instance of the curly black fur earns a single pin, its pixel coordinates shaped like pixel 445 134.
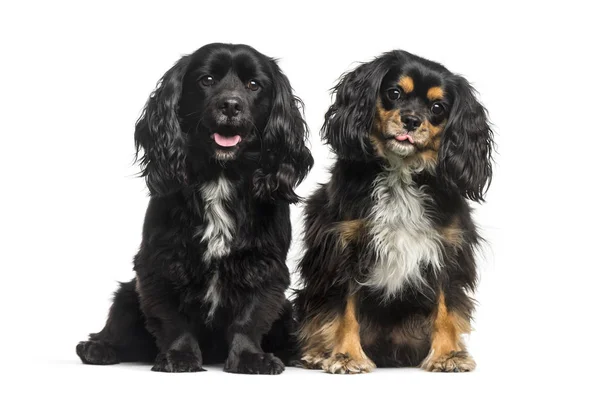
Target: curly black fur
pixel 223 143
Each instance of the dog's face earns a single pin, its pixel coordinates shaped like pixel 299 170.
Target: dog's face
pixel 409 111
pixel 226 105
pixel 226 99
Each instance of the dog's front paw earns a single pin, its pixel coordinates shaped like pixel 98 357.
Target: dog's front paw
pixel 344 363
pixel 254 363
pixel 453 362
pixel 314 361
pixel 96 352
pixel 177 362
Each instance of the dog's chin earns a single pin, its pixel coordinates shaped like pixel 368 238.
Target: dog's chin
pixel 221 154
pixel 408 153
pixel 400 148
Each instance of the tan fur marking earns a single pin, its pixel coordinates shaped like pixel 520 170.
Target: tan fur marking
pixel 435 93
pixel 447 351
pixel 429 156
pixel 316 338
pixel 453 233
pixel 434 130
pixel 430 137
pixel 320 328
pixel 377 145
pixel 407 84
pixel 347 355
pixel 347 337
pixel 383 119
pixel 351 230
pixel 437 142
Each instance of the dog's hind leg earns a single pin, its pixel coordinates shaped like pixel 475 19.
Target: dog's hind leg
pixel 124 338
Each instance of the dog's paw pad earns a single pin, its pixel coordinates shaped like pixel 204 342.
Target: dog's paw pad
pixel 344 363
pixel 177 362
pixel 255 363
pixel 96 352
pixel 453 362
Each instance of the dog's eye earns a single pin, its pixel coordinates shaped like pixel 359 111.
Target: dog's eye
pixel 437 108
pixel 393 94
pixel 252 85
pixel 207 81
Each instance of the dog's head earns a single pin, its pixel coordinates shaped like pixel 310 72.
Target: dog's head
pixel 409 110
pixel 224 103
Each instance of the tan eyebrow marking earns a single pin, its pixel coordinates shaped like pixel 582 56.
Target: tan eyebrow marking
pixel 435 93
pixel 407 84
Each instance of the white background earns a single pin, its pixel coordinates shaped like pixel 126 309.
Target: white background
pixel 75 77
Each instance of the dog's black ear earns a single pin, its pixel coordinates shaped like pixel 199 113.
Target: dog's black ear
pixel 158 132
pixel 465 155
pixel 285 159
pixel 349 120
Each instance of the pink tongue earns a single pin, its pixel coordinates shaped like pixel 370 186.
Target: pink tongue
pixel 226 141
pixel 401 138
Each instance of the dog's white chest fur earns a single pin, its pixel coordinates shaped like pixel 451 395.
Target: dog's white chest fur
pixel 218 231
pixel 402 235
pixel 218 222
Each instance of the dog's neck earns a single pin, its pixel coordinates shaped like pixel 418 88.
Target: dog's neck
pixel 409 166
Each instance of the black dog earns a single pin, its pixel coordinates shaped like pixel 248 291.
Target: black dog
pixel 390 242
pixel 224 147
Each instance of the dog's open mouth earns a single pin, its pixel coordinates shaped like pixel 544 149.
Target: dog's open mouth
pixel 226 141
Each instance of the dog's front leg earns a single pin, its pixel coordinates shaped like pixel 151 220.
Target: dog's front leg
pixel 347 355
pixel 251 321
pixel 178 347
pixel 448 352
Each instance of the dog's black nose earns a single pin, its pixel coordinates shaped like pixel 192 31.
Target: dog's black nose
pixel 411 122
pixel 231 106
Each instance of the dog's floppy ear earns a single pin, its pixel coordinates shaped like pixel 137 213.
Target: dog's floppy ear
pixel 349 120
pixel 285 159
pixel 158 132
pixel 465 155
